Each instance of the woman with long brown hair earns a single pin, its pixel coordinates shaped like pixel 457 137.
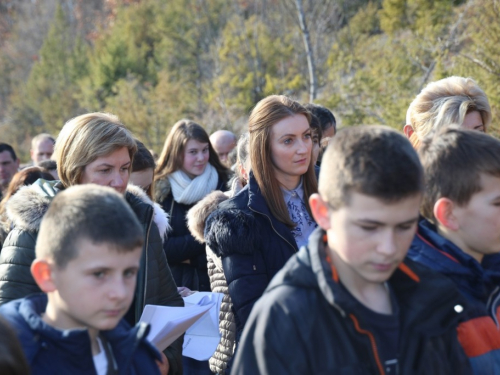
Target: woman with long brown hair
pixel 188 169
pixel 259 229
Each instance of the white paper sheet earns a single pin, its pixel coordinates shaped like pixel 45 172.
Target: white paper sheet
pixel 202 338
pixel 168 323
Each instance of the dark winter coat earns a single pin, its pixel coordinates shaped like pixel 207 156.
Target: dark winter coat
pixel 253 246
pixel 219 361
pixel 306 324
pixel 52 351
pixel 155 284
pixel 186 257
pixel 479 330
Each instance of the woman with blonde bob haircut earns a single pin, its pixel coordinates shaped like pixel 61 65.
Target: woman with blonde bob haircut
pixel 259 229
pixel 92 148
pixel 449 101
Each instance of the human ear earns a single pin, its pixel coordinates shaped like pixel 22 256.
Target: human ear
pixel 319 210
pixel 42 273
pixel 408 130
pixel 444 214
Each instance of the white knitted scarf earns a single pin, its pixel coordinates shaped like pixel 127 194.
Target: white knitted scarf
pixel 189 191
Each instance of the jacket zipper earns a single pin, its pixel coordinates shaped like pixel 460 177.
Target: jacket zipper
pixel 272 226
pixel 372 342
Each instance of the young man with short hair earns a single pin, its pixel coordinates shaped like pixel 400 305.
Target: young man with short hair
pixel 87 256
pixel 349 303
pixel 460 235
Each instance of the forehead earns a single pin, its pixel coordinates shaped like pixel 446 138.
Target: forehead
pixel 107 255
pixel 294 125
pixel 45 144
pixel 118 156
pixel 364 207
pixel 6 156
pixel 472 119
pixel 194 144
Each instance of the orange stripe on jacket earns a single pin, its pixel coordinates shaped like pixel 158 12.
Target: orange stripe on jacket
pixel 479 336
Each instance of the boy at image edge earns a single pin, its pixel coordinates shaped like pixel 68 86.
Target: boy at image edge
pixel 87 256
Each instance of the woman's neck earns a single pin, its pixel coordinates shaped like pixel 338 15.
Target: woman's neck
pixel 289 182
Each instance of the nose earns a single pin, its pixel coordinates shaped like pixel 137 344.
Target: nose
pixel 118 289
pixel 303 147
pixel 387 244
pixel 117 182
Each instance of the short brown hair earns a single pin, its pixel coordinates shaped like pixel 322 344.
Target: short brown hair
pixel 453 162
pixel 266 113
pixel 371 160
pixel 85 138
pixel 87 212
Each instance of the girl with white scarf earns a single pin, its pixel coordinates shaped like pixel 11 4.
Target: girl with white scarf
pixel 188 169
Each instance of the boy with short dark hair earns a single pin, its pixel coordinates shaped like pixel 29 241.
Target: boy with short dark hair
pixel 87 256
pixel 462 209
pixel 348 303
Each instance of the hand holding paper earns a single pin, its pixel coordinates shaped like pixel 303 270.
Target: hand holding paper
pixel 168 323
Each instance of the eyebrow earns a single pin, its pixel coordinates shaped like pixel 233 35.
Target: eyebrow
pixel 293 135
pixel 110 165
pixel 375 222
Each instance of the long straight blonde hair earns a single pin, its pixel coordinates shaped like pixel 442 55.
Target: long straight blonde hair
pixel 266 113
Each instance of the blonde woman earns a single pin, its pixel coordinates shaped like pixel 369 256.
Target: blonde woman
pixel 91 148
pixel 449 101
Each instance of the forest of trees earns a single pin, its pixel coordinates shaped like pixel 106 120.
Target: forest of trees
pixel 153 62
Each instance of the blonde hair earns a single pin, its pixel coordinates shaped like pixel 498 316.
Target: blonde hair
pixel 446 102
pixel 85 138
pixel 266 113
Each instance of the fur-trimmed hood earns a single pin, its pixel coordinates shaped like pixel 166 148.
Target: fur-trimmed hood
pixel 199 213
pixel 27 207
pixel 160 217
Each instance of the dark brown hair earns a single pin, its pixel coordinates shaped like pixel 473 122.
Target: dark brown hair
pixel 454 161
pixel 373 160
pixel 143 159
pixel 12 359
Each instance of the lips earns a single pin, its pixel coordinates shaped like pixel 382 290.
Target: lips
pixel 382 267
pixel 301 161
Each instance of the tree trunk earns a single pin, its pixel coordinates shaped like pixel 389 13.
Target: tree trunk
pixel 309 52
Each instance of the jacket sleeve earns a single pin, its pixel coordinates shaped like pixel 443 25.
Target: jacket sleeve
pixel 180 248
pixel 17 254
pixel 264 347
pixel 164 292
pixel 235 237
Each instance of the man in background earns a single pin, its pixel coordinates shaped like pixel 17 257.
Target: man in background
pixel 42 147
pixel 223 141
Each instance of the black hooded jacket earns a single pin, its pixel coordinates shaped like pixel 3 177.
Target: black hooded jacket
pixel 305 323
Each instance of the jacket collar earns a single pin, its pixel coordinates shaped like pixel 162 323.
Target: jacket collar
pixel 76 342
pixel 415 287
pixel 257 203
pixel 442 255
